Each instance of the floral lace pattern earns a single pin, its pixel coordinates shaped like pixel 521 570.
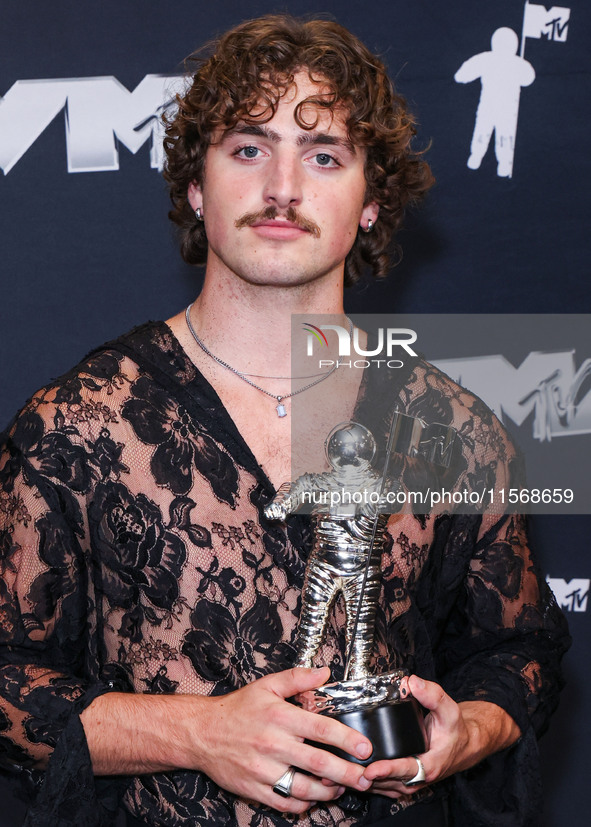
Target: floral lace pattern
pixel 134 556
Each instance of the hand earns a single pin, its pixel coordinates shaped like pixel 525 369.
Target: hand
pixel 253 735
pixel 459 736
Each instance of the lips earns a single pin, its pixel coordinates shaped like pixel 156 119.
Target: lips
pixel 277 222
pixel 275 228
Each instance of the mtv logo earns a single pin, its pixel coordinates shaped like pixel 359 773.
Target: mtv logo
pixel 571 595
pixel 552 24
pixel 546 383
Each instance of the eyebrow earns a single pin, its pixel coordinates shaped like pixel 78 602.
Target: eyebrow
pixel 314 138
pixel 307 138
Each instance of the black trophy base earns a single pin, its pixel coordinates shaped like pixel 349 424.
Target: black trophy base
pixel 395 730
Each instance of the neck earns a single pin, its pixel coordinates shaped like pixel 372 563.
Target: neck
pixel 238 320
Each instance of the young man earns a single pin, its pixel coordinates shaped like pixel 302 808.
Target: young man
pixel 148 608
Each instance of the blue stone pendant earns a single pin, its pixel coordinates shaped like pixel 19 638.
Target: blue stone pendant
pixel 281 410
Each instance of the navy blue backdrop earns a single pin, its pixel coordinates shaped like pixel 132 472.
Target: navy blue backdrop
pixel 88 254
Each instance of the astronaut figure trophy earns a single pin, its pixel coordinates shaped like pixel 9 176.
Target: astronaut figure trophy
pixel 349 520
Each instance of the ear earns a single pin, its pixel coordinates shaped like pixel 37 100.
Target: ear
pixel 195 196
pixel 369 213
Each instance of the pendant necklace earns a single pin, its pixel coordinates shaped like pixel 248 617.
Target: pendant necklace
pixel 280 407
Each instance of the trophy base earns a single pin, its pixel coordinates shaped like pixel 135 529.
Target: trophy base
pixel 374 706
pixel 395 730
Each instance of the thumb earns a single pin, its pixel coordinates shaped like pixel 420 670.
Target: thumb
pixel 432 696
pixel 299 679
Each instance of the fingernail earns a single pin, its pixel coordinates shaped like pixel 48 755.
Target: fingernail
pixel 364 783
pixel 340 790
pixel 363 750
pixel 419 683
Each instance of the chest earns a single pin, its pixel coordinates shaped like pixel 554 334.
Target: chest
pixel 267 435
pixel 292 444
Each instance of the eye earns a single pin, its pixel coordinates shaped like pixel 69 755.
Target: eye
pixel 323 159
pixel 248 152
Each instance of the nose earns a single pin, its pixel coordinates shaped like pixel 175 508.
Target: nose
pixel 283 186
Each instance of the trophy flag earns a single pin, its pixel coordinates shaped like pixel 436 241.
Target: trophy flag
pixel 538 22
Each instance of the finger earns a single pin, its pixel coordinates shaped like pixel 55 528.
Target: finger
pixel 399 770
pixel 323 729
pixel 284 805
pixel 324 766
pixel 432 696
pixel 389 790
pixel 396 784
pixel 300 745
pixel 305 792
pixel 310 788
pixel 291 681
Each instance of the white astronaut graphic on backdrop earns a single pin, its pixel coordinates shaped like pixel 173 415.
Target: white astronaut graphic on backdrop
pixel 502 74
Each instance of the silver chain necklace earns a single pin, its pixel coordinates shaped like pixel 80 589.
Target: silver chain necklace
pixel 280 408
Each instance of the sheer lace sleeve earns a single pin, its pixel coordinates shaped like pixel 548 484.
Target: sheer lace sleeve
pixel 497 633
pixel 47 617
pixel 505 634
pixel 502 642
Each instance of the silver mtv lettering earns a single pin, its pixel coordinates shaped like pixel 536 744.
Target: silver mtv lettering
pixel 100 109
pixel 562 407
pixel 97 112
pixel 570 594
pixel 26 110
pixel 545 383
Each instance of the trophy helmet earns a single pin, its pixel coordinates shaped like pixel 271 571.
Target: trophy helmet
pixel 350 443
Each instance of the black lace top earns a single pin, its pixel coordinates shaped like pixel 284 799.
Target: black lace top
pixel 135 557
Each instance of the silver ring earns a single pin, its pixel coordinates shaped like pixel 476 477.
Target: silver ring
pixel 283 786
pixel 420 776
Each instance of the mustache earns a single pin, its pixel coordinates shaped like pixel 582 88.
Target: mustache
pixel 271 212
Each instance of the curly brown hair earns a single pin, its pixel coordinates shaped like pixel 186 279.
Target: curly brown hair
pixel 248 71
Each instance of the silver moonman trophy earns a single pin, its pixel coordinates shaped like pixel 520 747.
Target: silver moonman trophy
pixel 351 507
